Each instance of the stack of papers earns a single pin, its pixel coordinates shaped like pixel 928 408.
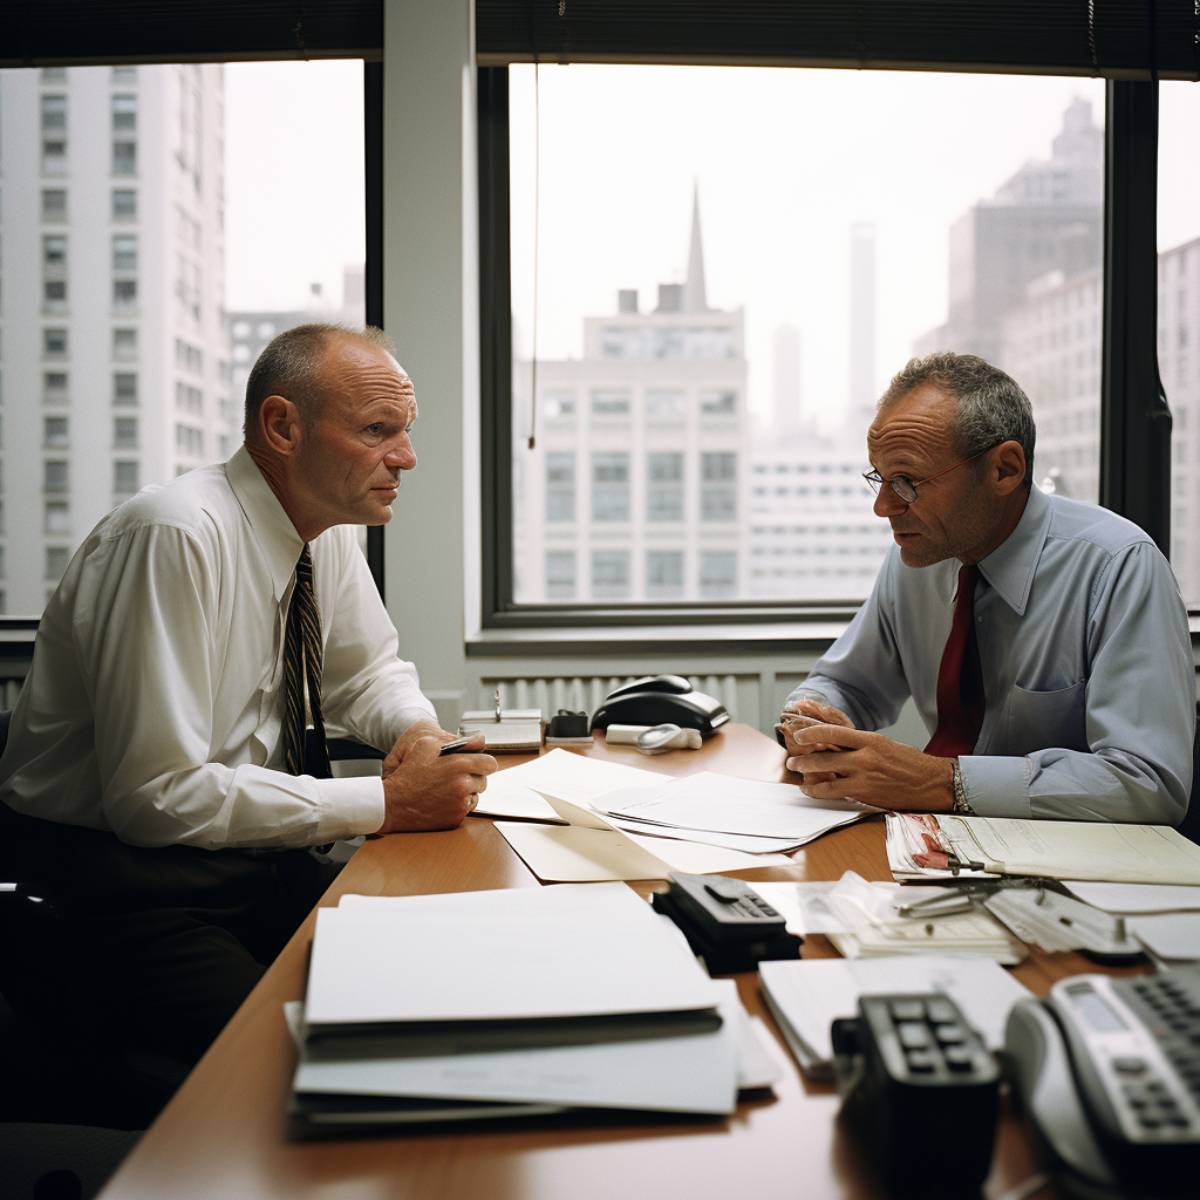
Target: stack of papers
pixel 1165 919
pixel 806 997
pixel 927 846
pixel 624 823
pixel 503 1002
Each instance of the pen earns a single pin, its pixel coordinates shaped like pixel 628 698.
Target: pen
pixel 497 704
pixel 455 747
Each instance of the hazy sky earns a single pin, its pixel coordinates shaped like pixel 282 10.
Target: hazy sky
pixel 786 161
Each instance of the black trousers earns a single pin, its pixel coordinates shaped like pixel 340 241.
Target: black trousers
pixel 151 949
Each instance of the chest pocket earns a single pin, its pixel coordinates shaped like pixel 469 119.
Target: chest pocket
pixel 1038 720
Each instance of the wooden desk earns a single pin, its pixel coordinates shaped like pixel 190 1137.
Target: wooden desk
pixel 222 1136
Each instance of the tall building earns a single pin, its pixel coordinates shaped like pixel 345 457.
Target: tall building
pixel 114 368
pixel 634 489
pixel 1048 216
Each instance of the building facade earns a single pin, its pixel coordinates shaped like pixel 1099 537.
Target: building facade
pixel 113 355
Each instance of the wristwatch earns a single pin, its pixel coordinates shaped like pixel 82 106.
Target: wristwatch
pixel 961 805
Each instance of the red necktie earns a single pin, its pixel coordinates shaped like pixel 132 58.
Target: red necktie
pixel 960 678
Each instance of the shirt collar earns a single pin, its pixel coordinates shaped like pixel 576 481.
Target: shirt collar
pixel 272 527
pixel 1011 566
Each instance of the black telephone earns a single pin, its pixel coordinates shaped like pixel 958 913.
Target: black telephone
pixel 1108 1070
pixel 909 1069
pixel 726 922
pixel 658 699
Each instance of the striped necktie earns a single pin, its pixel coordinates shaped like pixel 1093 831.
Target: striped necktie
pixel 301 663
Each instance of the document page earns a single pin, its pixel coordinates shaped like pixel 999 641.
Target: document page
pixel 1137 897
pixel 478 957
pixel 1085 850
pixel 567 776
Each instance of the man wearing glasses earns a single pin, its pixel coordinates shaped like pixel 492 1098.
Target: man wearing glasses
pixel 1043 640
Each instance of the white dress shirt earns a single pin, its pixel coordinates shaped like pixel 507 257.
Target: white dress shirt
pixel 1087 667
pixel 154 702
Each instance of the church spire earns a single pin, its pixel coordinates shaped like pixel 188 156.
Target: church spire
pixel 695 293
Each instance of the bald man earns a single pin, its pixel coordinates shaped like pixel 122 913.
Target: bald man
pixel 1043 640
pixel 156 770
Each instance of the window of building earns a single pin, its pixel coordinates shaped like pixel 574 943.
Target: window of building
pixel 54 254
pixel 54 205
pixel 725 361
pixel 124 158
pixel 55 475
pixel 125 433
pixel 124 204
pixel 125 478
pixel 560 575
pixel 124 114
pixel 57 558
pixel 55 434
pixel 664 574
pixel 718 574
pixel 610 574
pixel 54 295
pixel 53 75
pixel 54 133
pixel 57 517
pixel 124 344
pixel 560 485
pixel 610 486
pixel 124 74
pixel 125 389
pixel 125 292
pixel 54 342
pixel 124 252
pixel 664 486
pixel 54 387
pixel 559 406
pixel 718 486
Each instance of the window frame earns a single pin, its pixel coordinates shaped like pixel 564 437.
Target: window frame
pixel 1133 432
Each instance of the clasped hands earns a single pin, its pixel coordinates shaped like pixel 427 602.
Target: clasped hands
pixel 424 791
pixel 837 761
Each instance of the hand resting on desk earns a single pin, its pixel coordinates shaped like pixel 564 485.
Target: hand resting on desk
pixel 838 761
pixel 424 790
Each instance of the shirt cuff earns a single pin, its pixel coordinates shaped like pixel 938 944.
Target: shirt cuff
pixel 995 786
pixel 349 807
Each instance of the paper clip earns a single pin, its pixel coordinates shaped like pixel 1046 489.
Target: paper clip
pixel 938 906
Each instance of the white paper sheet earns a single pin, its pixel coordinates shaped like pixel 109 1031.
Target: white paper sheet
pixel 695 1073
pixel 726 804
pixel 1137 897
pixel 803 905
pixel 731 841
pixel 1172 936
pixel 487 956
pixel 507 797
pixel 812 993
pixel 578 854
pixel 563 774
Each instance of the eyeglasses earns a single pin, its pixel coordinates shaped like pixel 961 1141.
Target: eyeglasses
pixel 906 488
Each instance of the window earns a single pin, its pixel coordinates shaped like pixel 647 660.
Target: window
pixel 54 432
pixel 125 478
pixel 54 295
pixel 610 574
pixel 664 486
pixel 124 204
pixel 711 375
pixel 55 475
pixel 664 574
pixel 609 402
pixel 560 575
pixel 54 205
pixel 718 574
pixel 558 406
pixel 560 486
pixel 57 517
pixel 124 114
pixel 57 558
pixel 54 387
pixel 125 252
pixel 124 158
pixel 124 344
pixel 54 133
pixel 1178 229
pixel 610 486
pixel 718 487
pixel 124 388
pixel 125 293
pixel 124 74
pixel 125 433
pixel 54 254
pixel 54 343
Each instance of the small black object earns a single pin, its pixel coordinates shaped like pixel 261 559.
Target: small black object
pixel 566 724
pixel 725 922
pixel 659 700
pixel 910 1068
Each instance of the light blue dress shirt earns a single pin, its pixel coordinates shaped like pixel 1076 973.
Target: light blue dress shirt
pixel 1087 667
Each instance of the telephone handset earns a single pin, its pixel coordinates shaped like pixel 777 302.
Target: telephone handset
pixel 1108 1070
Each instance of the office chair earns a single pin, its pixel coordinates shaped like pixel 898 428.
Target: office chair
pixel 1190 825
